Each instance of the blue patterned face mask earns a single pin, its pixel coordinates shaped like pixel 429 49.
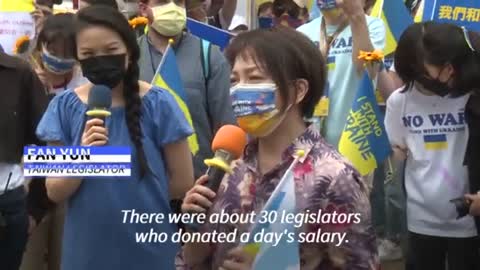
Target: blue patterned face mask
pixel 57 65
pixel 253 99
pixel 255 109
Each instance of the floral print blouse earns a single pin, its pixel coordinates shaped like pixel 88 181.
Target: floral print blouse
pixel 324 181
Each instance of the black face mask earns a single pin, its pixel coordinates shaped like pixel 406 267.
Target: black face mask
pixel 107 70
pixel 435 86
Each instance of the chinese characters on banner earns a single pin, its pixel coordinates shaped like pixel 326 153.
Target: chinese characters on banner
pixel 15 22
pixel 460 12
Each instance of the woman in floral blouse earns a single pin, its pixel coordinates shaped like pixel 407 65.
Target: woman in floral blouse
pixel 277 79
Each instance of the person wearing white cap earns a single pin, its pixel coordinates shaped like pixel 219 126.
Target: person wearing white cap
pixel 239 24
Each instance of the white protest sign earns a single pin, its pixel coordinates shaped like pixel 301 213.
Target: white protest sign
pixel 13 25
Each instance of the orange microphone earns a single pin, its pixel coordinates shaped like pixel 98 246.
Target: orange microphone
pixel 227 145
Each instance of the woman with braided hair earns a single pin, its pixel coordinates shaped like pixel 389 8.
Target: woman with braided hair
pixel 99 233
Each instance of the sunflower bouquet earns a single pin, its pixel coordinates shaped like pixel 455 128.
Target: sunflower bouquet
pixel 373 61
pixel 138 21
pixel 22 44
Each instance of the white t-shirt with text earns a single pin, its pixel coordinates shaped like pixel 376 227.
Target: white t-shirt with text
pixel 434 131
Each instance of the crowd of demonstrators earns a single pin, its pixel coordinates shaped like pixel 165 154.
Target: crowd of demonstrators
pixel 432 120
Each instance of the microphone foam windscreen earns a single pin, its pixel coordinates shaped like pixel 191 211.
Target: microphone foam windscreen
pixel 100 96
pixel 230 138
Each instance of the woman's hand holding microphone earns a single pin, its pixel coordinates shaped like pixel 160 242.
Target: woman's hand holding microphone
pixel 199 200
pixel 95 133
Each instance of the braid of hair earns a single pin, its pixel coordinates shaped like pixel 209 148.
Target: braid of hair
pixel 133 114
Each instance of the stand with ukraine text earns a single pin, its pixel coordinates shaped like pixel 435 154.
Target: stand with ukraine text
pixel 364 140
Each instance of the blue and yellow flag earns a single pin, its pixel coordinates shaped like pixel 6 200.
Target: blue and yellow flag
pixel 168 78
pixel 284 255
pixel 364 140
pixel 214 35
pixel 396 18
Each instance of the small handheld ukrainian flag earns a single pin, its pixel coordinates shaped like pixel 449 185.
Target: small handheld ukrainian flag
pixel 364 140
pixel 168 78
pixel 214 35
pixel 396 18
pixel 286 254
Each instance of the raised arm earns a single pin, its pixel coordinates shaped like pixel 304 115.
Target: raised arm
pixel 227 12
pixel 366 36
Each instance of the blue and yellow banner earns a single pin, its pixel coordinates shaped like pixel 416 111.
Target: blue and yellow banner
pixel 168 77
pixel 364 140
pixel 396 18
pixel 460 12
